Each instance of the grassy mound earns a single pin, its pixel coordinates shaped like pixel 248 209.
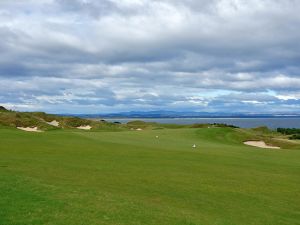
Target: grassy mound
pixel 42 120
pixel 18 119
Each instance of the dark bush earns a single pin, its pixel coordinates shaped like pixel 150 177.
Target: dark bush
pixel 224 125
pixel 295 137
pixel 288 131
pixel 76 122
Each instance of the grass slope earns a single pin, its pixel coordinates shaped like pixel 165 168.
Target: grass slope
pixel 65 177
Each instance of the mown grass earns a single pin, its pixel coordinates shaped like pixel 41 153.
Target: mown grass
pixel 65 177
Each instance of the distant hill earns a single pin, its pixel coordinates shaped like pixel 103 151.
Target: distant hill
pixel 173 114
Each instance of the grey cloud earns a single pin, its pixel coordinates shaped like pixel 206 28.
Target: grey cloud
pixel 110 49
pixel 91 8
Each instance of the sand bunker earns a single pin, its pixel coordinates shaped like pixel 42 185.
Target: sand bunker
pixel 29 129
pixel 54 123
pixel 88 127
pixel 139 129
pixel 260 144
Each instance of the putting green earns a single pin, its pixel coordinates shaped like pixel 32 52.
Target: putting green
pixel 133 177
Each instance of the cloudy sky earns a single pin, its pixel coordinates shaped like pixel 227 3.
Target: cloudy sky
pixel 95 56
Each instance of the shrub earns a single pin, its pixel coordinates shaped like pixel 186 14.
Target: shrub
pixel 288 131
pixel 224 125
pixel 295 137
pixel 76 122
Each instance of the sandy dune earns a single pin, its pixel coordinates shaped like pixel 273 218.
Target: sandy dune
pixel 54 123
pixel 29 129
pixel 260 144
pixel 88 127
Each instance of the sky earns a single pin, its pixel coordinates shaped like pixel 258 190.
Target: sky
pixel 101 56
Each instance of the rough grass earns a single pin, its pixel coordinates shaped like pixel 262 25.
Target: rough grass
pixel 40 119
pixel 65 177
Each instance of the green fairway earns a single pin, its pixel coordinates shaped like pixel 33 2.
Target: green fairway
pixel 64 177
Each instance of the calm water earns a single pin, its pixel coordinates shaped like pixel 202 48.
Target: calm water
pixel 272 123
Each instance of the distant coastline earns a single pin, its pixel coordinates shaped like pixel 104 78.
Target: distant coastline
pixel 270 122
pixel 243 120
pixel 187 115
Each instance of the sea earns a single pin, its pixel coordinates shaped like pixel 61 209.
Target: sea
pixel 271 123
